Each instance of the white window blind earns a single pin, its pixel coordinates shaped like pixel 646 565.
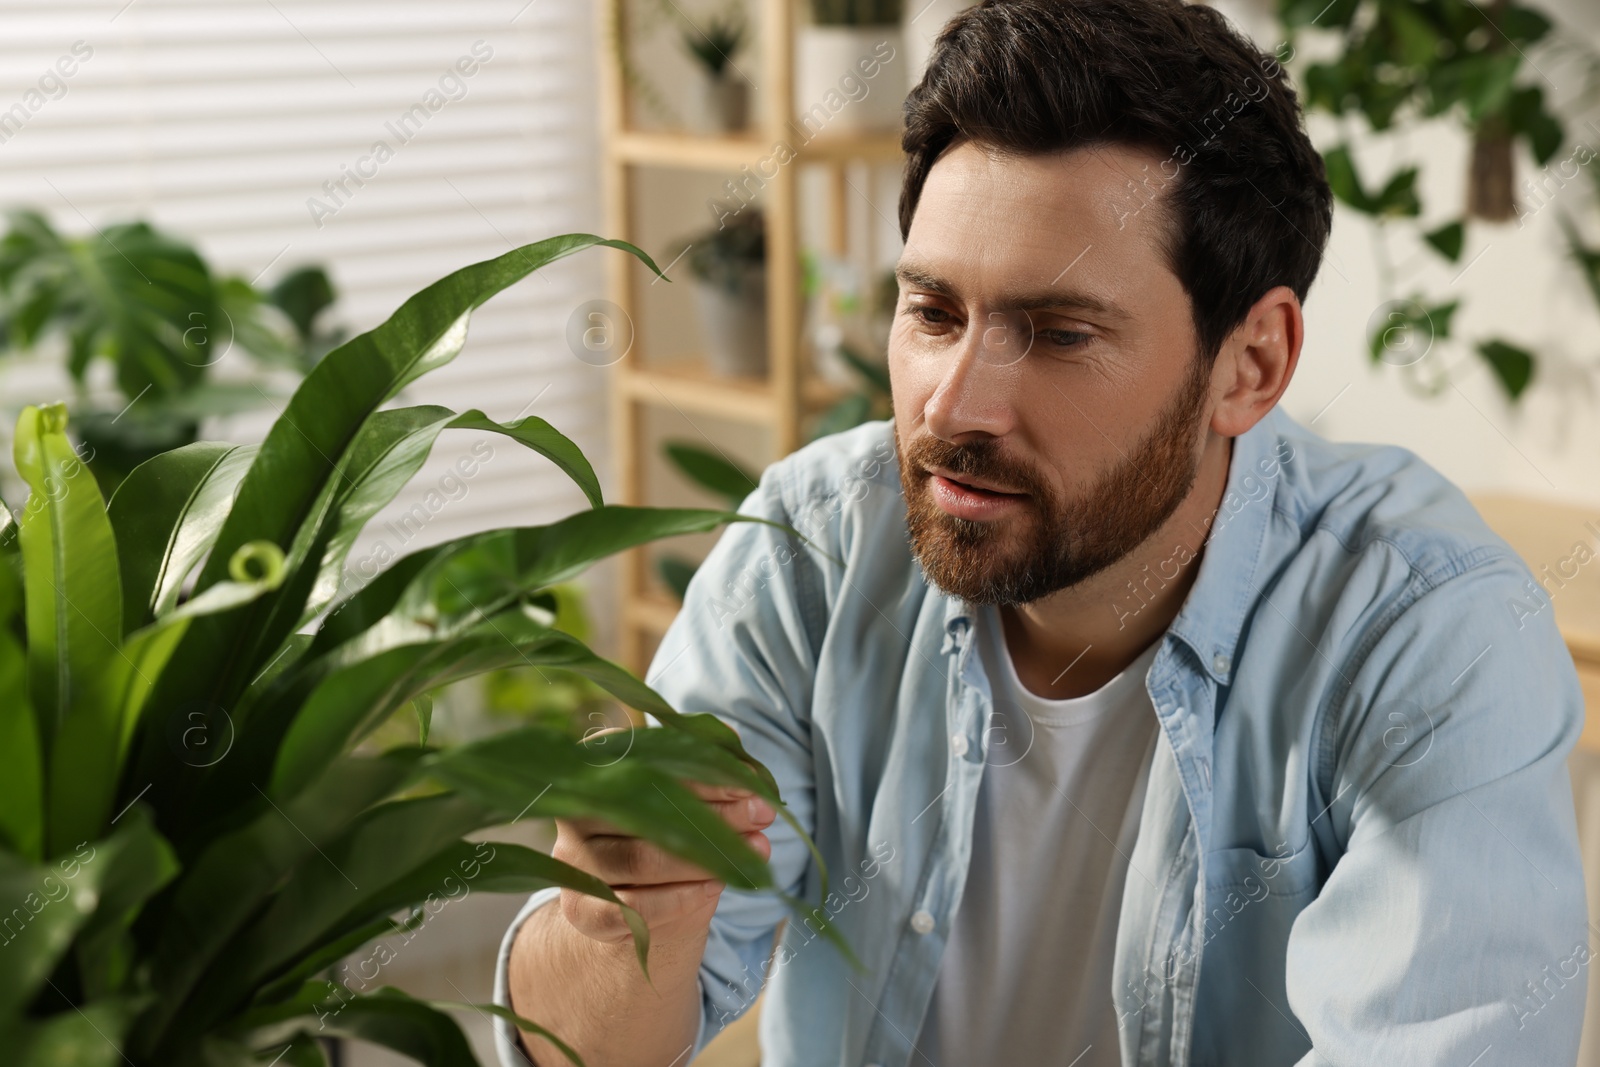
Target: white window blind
pixel 253 127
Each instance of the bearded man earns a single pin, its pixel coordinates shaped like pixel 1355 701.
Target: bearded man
pixel 1137 724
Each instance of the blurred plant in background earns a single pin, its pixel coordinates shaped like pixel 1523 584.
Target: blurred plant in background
pixel 716 38
pixel 866 399
pixel 552 696
pixel 711 40
pixel 145 303
pixel 1400 63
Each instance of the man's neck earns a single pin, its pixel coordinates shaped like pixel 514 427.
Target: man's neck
pixel 1074 641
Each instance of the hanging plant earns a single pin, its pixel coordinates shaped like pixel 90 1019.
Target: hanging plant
pixel 1401 62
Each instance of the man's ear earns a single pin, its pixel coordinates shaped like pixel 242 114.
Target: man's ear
pixel 1255 363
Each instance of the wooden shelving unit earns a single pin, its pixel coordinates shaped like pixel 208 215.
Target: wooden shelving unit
pixel 790 393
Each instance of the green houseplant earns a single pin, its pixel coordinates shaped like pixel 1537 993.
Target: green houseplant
pixel 728 264
pixel 145 302
pixel 191 830
pixel 712 470
pixel 713 46
pixel 1399 63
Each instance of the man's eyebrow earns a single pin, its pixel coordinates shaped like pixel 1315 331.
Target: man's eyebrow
pixel 1038 300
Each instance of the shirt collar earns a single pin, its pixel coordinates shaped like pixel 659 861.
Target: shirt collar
pixel 1225 588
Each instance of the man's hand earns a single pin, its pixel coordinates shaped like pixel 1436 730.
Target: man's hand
pixel 675 898
pixel 573 968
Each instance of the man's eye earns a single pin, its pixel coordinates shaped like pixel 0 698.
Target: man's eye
pixel 922 313
pixel 1065 338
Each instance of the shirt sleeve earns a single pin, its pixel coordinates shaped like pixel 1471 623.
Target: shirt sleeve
pixel 743 648
pixel 1453 928
pixel 507 1046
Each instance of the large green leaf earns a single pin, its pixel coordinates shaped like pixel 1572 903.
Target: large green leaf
pixel 349 874
pixel 90 1036
pixel 480 574
pixel 291 487
pixel 74 615
pixel 392 447
pixel 138 863
pixel 43 914
pixel 433 595
pixel 366 685
pixel 362 609
pixel 460 869
pixel 530 771
pixel 166 515
pixel 224 886
pixel 21 769
pixel 395 1020
pixel 334 950
pixel 47 906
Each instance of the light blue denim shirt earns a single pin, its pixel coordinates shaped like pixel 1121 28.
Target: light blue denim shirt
pixel 1357 845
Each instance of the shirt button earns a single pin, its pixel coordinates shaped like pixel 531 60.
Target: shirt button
pixel 958 744
pixel 922 922
pixel 1221 663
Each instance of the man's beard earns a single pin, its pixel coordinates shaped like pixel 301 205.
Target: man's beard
pixel 1059 543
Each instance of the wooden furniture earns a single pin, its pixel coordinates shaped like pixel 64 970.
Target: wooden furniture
pixel 790 393
pixel 1553 539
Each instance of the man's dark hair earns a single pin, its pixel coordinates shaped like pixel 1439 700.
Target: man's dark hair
pixel 1246 192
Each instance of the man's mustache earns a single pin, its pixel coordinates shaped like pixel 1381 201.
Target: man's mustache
pixel 984 460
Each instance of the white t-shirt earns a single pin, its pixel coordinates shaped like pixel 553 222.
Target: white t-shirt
pixel 1026 976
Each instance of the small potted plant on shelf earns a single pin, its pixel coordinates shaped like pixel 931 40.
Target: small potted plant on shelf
pixel 725 93
pixel 849 68
pixel 730 283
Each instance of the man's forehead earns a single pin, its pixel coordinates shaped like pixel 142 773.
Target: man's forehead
pixel 1104 199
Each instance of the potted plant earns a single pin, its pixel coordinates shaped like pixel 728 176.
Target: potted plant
pixel 146 303
pixel 849 71
pixel 724 92
pixel 728 264
pixel 193 827
pixel 1398 66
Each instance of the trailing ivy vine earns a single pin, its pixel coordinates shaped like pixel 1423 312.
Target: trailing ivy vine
pixel 1403 62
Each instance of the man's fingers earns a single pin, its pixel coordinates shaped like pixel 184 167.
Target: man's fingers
pixel 742 809
pixel 632 861
pixel 665 909
pixel 746 812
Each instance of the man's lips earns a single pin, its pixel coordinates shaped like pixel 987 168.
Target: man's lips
pixel 971 498
pixel 967 481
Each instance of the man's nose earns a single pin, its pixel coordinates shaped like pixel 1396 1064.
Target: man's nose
pixel 977 393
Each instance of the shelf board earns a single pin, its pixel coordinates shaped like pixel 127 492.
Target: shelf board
pixel 730 152
pixel 691 385
pixel 651 612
